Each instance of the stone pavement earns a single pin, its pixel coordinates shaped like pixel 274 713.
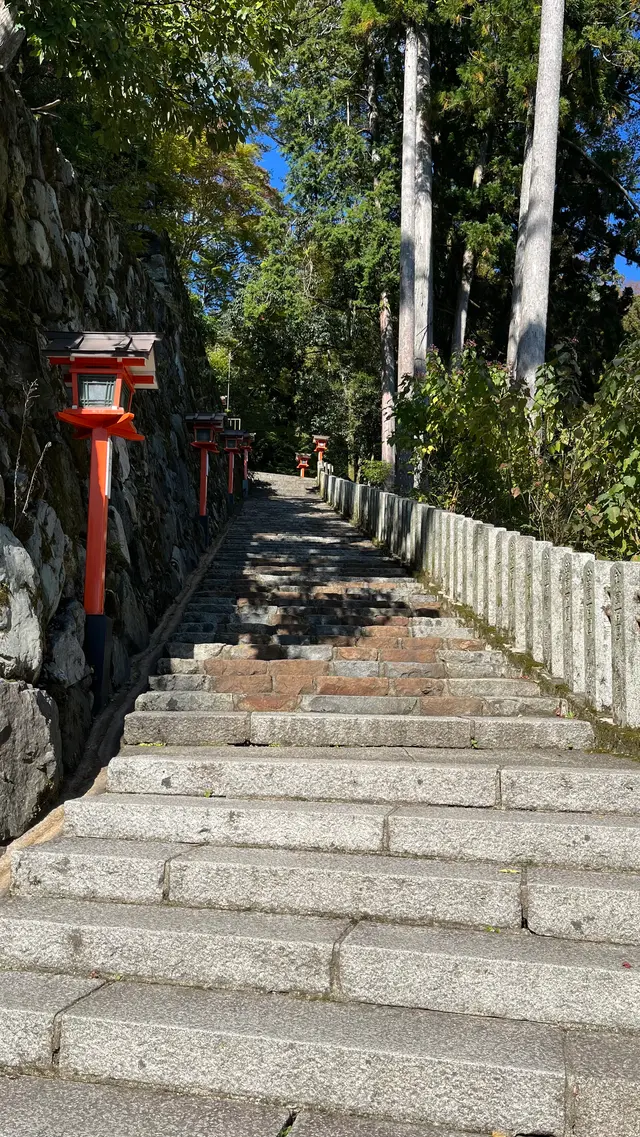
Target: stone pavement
pixel 353 877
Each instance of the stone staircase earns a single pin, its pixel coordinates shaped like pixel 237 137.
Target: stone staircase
pixel 353 876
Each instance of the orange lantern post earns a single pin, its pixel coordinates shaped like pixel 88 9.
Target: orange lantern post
pixel 102 370
pixel 303 463
pixel 321 441
pixel 247 440
pixel 206 428
pixel 232 441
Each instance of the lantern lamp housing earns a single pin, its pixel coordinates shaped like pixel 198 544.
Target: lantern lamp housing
pixel 206 428
pixel 321 441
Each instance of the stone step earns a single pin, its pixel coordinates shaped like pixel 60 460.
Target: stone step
pixel 29 1006
pixel 532 780
pixel 439 668
pixel 326 775
pixel 514 975
pixel 400 1064
pixel 429 704
pixel 308 1123
pixel 515 837
pixel 598 906
pixel 57 1107
pixel 293 728
pixel 79 869
pixel 340 826
pixel 483 732
pixel 193 946
pixel 271 880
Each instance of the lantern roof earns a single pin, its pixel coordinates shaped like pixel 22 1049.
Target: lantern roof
pixel 201 418
pixel 134 350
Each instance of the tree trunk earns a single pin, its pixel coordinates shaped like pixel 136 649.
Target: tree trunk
pixel 388 379
pixel 406 323
pixel 423 287
pixel 516 295
pixel 537 252
pixel 387 344
pixel 10 37
pixel 468 264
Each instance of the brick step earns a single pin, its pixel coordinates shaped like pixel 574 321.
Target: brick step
pixel 276 880
pixel 511 838
pixel 42 1107
pixel 419 651
pixel 336 704
pixel 285 728
pixel 354 663
pixel 512 976
pixel 322 679
pixel 390 1062
pixel 561 781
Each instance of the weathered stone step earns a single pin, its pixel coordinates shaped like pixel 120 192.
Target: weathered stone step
pixel 515 837
pixel 559 781
pixel 57 1107
pixel 419 651
pixel 600 906
pixel 194 946
pixel 330 774
pixel 363 663
pixel 308 1123
pixel 285 728
pixel 514 975
pixel 29 1004
pixel 271 880
pixel 328 826
pixel 484 732
pixel 430 704
pixel 402 1064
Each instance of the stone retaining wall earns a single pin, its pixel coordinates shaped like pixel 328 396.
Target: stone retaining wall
pixel 578 617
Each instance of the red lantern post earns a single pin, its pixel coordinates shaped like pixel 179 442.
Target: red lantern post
pixel 321 441
pixel 206 428
pixel 303 463
pixel 247 440
pixel 101 371
pixel 232 440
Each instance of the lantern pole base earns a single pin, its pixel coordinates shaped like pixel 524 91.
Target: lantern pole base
pixel 230 502
pixel 98 645
pixel 245 487
pixel 204 527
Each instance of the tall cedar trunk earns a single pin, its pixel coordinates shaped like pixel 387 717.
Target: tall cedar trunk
pixel 10 37
pixel 537 252
pixel 516 295
pixel 423 209
pixel 387 345
pixel 388 379
pixel 468 265
pixel 406 322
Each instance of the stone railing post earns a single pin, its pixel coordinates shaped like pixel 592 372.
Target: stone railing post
pixel 552 610
pixel 625 642
pixel 517 592
pixel 596 579
pixel 534 599
pixel 573 565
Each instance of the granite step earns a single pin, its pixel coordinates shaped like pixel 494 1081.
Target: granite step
pixel 29 1006
pixel 350 886
pixel 556 781
pixel 514 837
pixel 323 774
pixel 191 946
pixel 367 678
pixel 514 975
pixel 58 1107
pixel 438 702
pixel 405 1065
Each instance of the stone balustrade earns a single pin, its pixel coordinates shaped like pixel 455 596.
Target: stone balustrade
pixel 578 617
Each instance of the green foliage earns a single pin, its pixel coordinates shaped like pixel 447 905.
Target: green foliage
pixel 376 473
pixel 135 68
pixel 568 473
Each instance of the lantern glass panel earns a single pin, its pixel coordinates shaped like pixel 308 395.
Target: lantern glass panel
pixel 126 395
pixel 96 390
pixel 203 434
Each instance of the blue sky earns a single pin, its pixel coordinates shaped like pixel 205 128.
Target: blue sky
pixel 274 162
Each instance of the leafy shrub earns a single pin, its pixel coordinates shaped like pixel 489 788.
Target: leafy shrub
pixel 376 473
pixel 566 472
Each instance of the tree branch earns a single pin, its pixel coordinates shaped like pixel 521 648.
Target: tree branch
pixel 608 177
